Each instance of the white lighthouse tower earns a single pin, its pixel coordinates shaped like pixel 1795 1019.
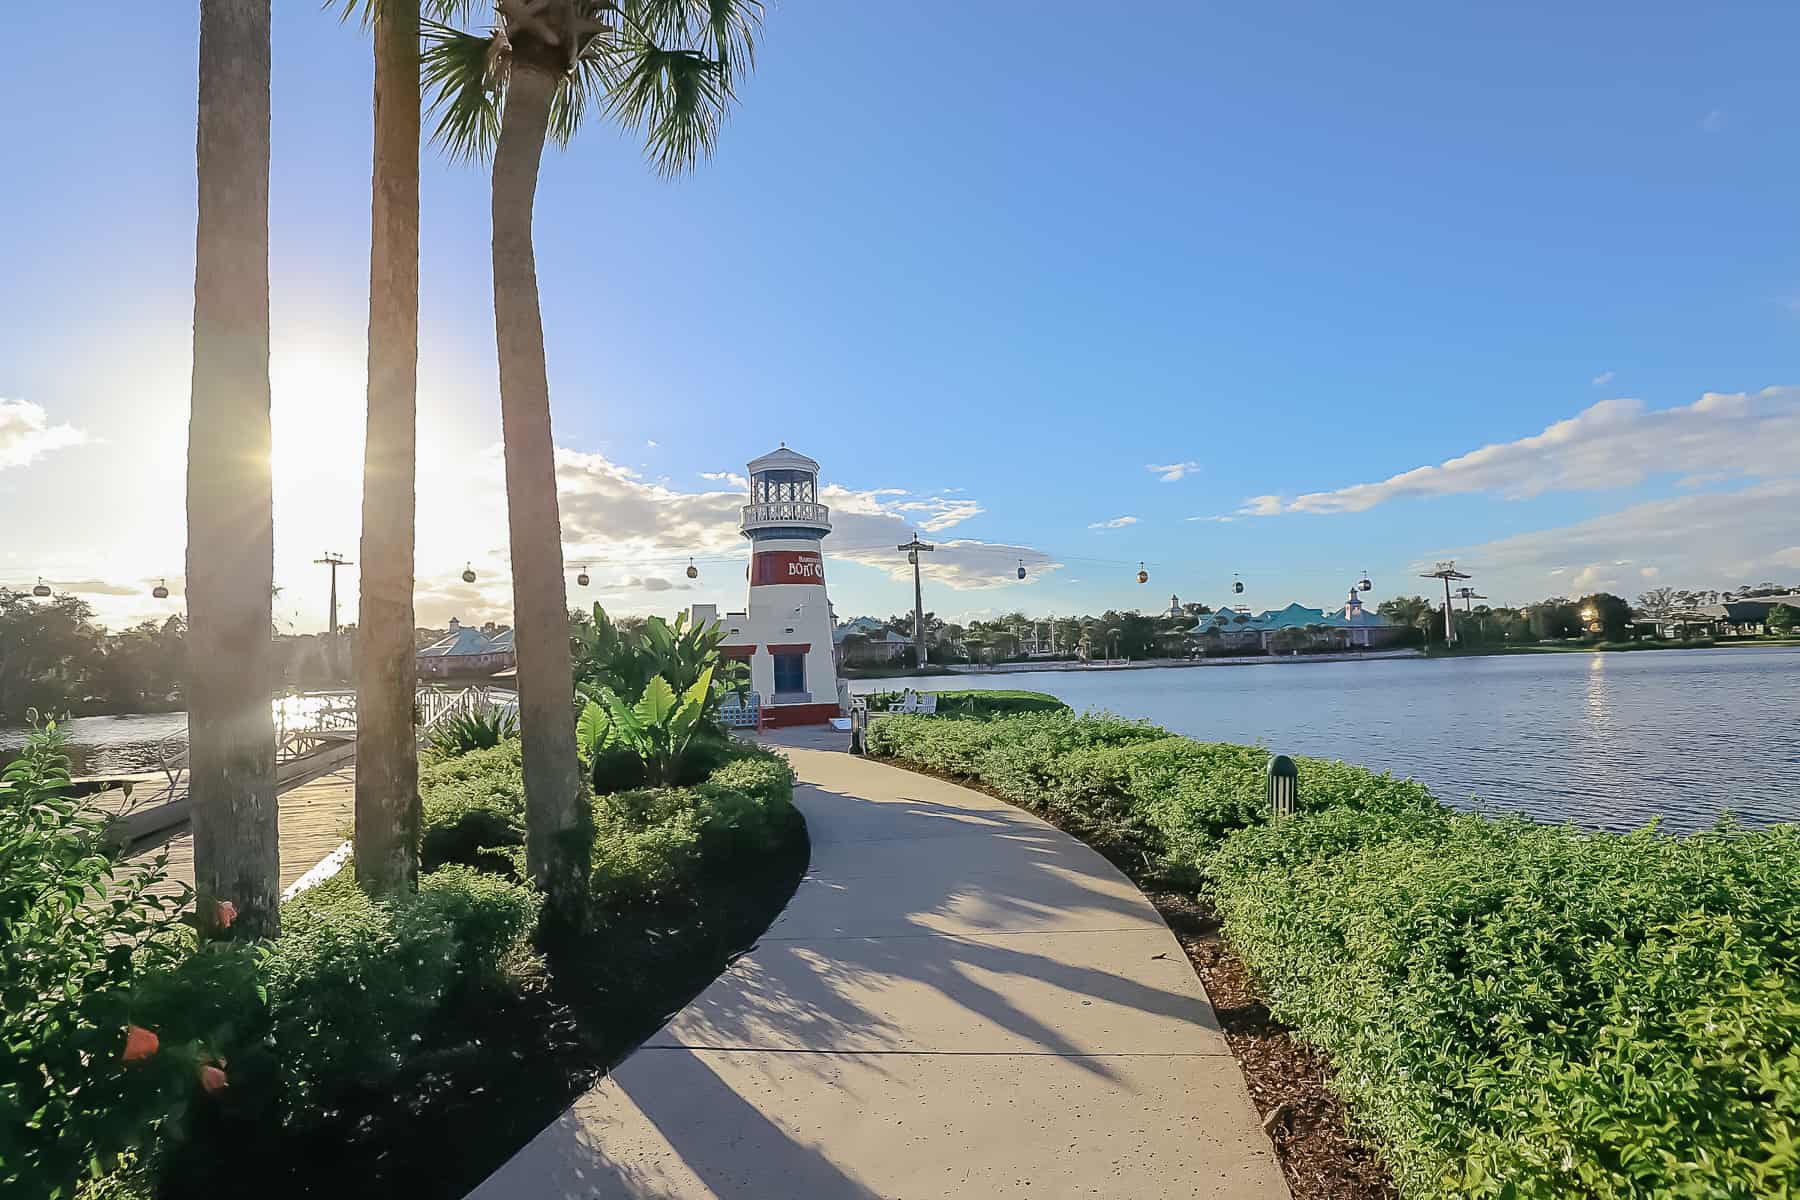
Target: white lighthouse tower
pixel 785 631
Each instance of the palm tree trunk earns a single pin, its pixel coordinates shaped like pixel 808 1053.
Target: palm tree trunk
pixel 230 499
pixel 556 837
pixel 387 753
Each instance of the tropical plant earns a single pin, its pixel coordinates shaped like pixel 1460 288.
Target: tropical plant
pixel 479 728
pixel 626 658
pixel 79 935
pixel 387 753
pixel 230 494
pixel 665 68
pixel 658 727
pixel 1783 619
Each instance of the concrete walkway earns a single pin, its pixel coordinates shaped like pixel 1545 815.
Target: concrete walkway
pixel 960 1000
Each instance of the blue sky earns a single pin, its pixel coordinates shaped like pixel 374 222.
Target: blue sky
pixel 988 264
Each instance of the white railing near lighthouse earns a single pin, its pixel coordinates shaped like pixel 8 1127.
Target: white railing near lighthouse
pixel 786 512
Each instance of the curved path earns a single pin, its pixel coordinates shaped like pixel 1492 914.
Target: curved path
pixel 959 1000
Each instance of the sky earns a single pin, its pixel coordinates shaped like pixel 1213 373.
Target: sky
pixel 1280 293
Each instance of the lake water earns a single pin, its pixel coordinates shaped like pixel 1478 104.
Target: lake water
pixel 1606 741
pixel 138 741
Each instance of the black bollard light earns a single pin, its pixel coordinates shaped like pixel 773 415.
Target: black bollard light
pixel 1284 787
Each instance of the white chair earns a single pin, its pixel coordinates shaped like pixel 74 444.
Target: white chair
pixel 927 705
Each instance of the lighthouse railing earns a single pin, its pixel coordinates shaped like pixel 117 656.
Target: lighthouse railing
pixel 786 512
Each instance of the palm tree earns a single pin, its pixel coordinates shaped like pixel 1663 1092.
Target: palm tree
pixel 230 497
pixel 667 68
pixel 387 752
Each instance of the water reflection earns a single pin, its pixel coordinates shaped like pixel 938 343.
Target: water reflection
pixel 140 741
pixel 1607 741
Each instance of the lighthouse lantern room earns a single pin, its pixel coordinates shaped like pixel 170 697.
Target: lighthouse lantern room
pixel 784 631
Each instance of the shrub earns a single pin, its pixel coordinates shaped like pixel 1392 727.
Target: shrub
pixel 1513 1010
pixel 978 702
pixel 615 767
pixel 473 810
pixel 1567 1013
pixel 480 728
pixel 352 979
pixel 650 843
pixel 86 946
pixel 489 919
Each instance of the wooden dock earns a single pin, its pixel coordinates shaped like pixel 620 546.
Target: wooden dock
pixel 315 819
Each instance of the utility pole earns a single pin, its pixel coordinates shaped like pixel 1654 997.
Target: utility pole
pixel 334 561
pixel 1447 571
pixel 912 549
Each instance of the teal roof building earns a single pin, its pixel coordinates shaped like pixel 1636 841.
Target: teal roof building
pixel 1357 626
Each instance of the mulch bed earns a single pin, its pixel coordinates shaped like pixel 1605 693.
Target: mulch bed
pixel 1289 1083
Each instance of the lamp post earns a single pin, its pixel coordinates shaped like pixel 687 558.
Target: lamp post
pixel 1284 787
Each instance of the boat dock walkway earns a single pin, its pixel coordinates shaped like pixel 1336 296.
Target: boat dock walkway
pixel 316 818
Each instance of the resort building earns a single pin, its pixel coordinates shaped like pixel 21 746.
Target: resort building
pixel 1227 629
pixel 866 640
pixel 785 631
pixel 1733 618
pixel 465 651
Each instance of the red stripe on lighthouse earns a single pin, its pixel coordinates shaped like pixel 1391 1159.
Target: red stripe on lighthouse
pixel 787 566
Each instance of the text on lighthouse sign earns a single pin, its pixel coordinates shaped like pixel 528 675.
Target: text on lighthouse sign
pixel 787 566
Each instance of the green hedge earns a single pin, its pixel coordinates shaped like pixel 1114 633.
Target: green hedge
pixel 649 843
pixel 980 702
pixel 1513 1009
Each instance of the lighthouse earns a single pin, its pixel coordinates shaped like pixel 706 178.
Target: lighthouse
pixel 784 632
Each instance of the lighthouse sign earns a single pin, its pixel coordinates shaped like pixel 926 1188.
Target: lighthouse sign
pixel 787 566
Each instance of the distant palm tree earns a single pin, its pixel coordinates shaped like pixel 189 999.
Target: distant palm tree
pixel 387 749
pixel 230 495
pixel 669 69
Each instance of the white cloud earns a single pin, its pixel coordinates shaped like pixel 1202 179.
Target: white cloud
pixel 1612 444
pixel 27 435
pixel 1603 378
pixel 636 536
pixel 1172 472
pixel 1592 579
pixel 1713 121
pixel 731 477
pixel 652 443
pixel 1115 523
pixel 1713 539
pixel 1222 520
pixel 1261 506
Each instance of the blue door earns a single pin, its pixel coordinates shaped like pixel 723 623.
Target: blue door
pixel 790 674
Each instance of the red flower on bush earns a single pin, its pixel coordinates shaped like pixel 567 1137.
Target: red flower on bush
pixel 140 1043
pixel 212 1078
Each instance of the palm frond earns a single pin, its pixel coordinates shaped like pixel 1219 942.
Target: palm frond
pixel 676 98
pixel 454 70
pixel 722 30
pixel 364 11
pixel 448 11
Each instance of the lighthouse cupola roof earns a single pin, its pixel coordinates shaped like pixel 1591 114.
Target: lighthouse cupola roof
pixel 784 497
pixel 783 459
